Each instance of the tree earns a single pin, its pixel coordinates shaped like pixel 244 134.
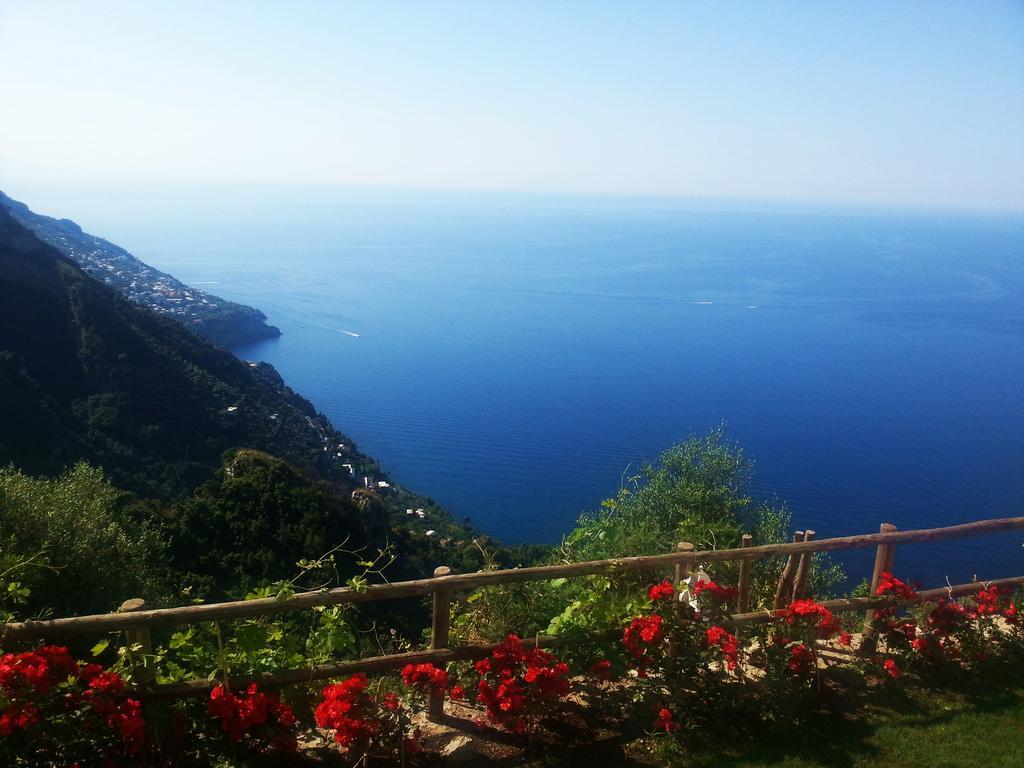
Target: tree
pixel 87 553
pixel 697 491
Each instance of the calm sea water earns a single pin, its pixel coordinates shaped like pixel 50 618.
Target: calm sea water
pixel 516 357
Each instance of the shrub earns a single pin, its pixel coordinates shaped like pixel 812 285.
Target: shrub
pixel 88 554
pixel 697 491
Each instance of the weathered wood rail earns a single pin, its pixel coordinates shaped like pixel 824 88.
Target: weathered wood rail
pixel 136 622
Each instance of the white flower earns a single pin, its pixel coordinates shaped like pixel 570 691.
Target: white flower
pixel 686 594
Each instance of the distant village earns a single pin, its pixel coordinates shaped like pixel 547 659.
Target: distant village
pixel 141 283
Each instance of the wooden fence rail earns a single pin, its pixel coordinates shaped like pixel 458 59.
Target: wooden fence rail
pixel 444 655
pixel 136 621
pixel 241 609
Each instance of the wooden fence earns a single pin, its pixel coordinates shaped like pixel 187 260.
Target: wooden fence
pixel 137 621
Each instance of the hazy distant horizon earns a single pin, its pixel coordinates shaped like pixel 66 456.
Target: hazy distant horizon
pixel 106 207
pixel 908 104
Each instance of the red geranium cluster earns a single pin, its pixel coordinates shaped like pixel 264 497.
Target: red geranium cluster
pixel 892 668
pixel 643 639
pixel 947 617
pixel 988 601
pixel 38 670
pixel 663 591
pixel 425 678
pixel 664 720
pixel 364 723
pixel 890 585
pixel 726 643
pixel 792 651
pixel 350 712
pixel 813 615
pixel 262 719
pixel 602 669
pixel 515 681
pixel 802 659
pixel 44 689
pixel 719 593
pixel 1011 614
pixel 936 639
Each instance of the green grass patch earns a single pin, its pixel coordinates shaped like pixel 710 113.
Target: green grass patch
pixel 927 727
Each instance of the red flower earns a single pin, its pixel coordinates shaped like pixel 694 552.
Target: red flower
pixel 719 593
pixel 39 669
pixel 817 615
pixel 890 585
pixel 726 643
pixel 643 637
pixel 87 672
pixel 346 710
pixel 128 721
pixel 987 601
pixel 663 591
pixel 107 682
pixel 602 669
pixel 892 668
pixel 845 638
pixel 664 721
pixel 248 713
pixel 801 659
pixel 18 717
pixel 516 680
pixel 946 617
pixel 457 693
pixel 88 696
pixel 425 677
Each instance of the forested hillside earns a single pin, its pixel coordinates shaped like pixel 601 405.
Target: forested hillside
pixel 85 374
pixel 238 476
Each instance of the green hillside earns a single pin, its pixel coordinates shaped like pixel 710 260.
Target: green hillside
pixel 87 375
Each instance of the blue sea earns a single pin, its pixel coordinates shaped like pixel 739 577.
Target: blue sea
pixel 516 357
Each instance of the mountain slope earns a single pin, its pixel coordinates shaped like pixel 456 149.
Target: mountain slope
pixel 86 374
pixel 222 322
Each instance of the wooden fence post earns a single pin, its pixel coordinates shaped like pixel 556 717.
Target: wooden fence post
pixel 884 555
pixel 743 586
pixel 803 569
pixel 682 571
pixel 785 586
pixel 683 566
pixel 142 671
pixel 439 638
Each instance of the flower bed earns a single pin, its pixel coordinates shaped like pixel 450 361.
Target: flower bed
pixel 688 667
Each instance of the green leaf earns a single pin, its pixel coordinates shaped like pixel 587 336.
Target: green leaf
pixel 251 637
pixel 180 639
pixel 99 648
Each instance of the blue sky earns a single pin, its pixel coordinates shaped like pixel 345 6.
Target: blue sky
pixel 888 102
